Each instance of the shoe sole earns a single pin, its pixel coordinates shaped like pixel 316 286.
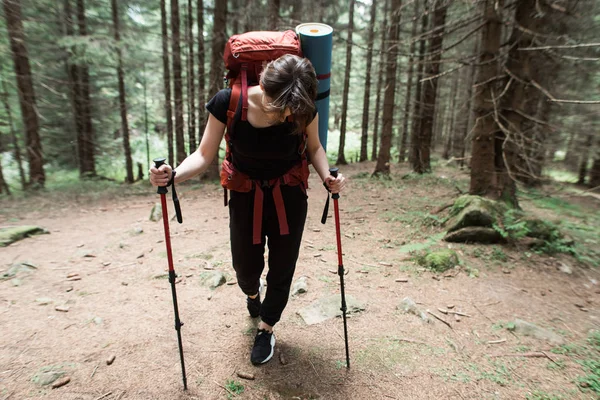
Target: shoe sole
pixel 272 351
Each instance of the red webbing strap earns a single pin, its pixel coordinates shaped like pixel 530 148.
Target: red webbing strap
pixel 233 103
pixel 244 92
pixel 324 76
pixel 280 208
pixel 258 210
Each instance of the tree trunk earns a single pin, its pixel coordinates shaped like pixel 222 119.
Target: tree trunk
pixel 484 180
pixel 595 175
pixel 417 113
pixel 341 160
pixel 88 162
pixel 367 98
pixel 383 160
pixel 297 14
pixel 274 6
pixel 570 160
pixel 190 79
pixel 468 108
pixel 219 39
pixel 76 96
pixel 122 96
pixel 449 142
pixel 421 159
pixel 584 160
pixel 167 80
pixel 250 22
pixel 201 71
pixel 235 16
pixel 177 83
pixel 14 25
pixel 382 58
pixel 409 85
pixel 13 135
pixel 458 117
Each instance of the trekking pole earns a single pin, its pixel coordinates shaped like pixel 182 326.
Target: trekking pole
pixel 335 197
pixel 162 190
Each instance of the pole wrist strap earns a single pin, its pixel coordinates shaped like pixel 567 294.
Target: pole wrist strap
pixel 175 198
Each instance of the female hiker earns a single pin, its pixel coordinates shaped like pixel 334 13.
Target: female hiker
pixel 266 170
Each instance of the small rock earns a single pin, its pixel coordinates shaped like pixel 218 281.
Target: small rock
pixel 437 278
pixel 42 301
pixel 16 282
pixel 62 308
pixel 124 284
pixel 72 274
pixel 506 271
pixel 212 279
pixel 300 286
pixel 80 245
pixel 110 359
pixel 562 267
pixel 106 263
pixel 69 289
pixel 316 230
pixel 578 305
pixel 450 306
pixel 61 382
pixel 245 375
pixel 403 280
pixel 457 317
pixel 137 230
pixel 282 359
pixel 409 306
pixel 97 320
pixel 528 329
pixel 156 213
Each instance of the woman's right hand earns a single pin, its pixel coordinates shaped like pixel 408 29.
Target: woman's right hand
pixel 161 176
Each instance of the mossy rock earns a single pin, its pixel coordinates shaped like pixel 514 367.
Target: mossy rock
pixel 439 261
pixel 471 210
pixel 475 234
pixel 12 234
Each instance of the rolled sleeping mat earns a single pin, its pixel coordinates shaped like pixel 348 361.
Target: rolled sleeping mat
pixel 316 40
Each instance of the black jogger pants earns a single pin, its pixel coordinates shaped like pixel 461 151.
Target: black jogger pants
pixel 248 259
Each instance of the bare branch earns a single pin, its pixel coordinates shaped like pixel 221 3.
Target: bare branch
pixel 576 101
pixel 572 46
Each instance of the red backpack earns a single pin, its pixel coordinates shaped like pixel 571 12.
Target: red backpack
pixel 245 56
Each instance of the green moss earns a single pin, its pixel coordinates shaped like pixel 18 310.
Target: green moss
pixel 439 261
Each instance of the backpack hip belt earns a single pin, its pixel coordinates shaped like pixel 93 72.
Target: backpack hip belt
pixel 231 179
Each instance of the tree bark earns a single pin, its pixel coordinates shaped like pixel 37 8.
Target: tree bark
pixel 584 160
pixel 14 24
pixel 13 135
pixel 483 170
pixel 409 85
pixel 383 160
pixel 177 83
pixel 595 174
pixel 417 109
pixel 88 167
pixel 449 142
pixel 191 84
pixel 167 80
pixel 421 159
pixel 274 6
pixel 469 111
pixel 367 98
pixel 76 96
pixel 219 39
pixel 341 160
pixel 382 58
pixel 122 95
pixel 201 71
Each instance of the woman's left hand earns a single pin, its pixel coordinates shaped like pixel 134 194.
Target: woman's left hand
pixel 335 185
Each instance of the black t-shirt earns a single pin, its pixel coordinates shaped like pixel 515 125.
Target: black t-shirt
pixel 261 153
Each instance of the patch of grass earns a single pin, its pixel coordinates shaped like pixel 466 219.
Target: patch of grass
pixel 498 254
pixel 339 364
pixel 234 387
pixel 499 373
pixel 522 349
pixel 439 261
pixel 541 395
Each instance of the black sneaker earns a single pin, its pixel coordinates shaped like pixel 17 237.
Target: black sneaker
pixel 253 306
pixel 264 347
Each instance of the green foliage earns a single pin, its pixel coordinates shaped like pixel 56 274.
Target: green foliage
pixel 234 387
pixel 498 254
pixel 541 395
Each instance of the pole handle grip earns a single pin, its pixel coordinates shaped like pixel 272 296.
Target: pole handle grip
pixel 158 162
pixel 334 172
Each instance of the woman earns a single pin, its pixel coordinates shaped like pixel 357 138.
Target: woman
pixel 265 148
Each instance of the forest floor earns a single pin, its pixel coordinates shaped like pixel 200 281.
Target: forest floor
pixel 120 305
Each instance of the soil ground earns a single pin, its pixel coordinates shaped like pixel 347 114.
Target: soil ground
pixel 122 304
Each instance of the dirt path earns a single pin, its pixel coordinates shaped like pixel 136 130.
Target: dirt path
pixel 121 306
